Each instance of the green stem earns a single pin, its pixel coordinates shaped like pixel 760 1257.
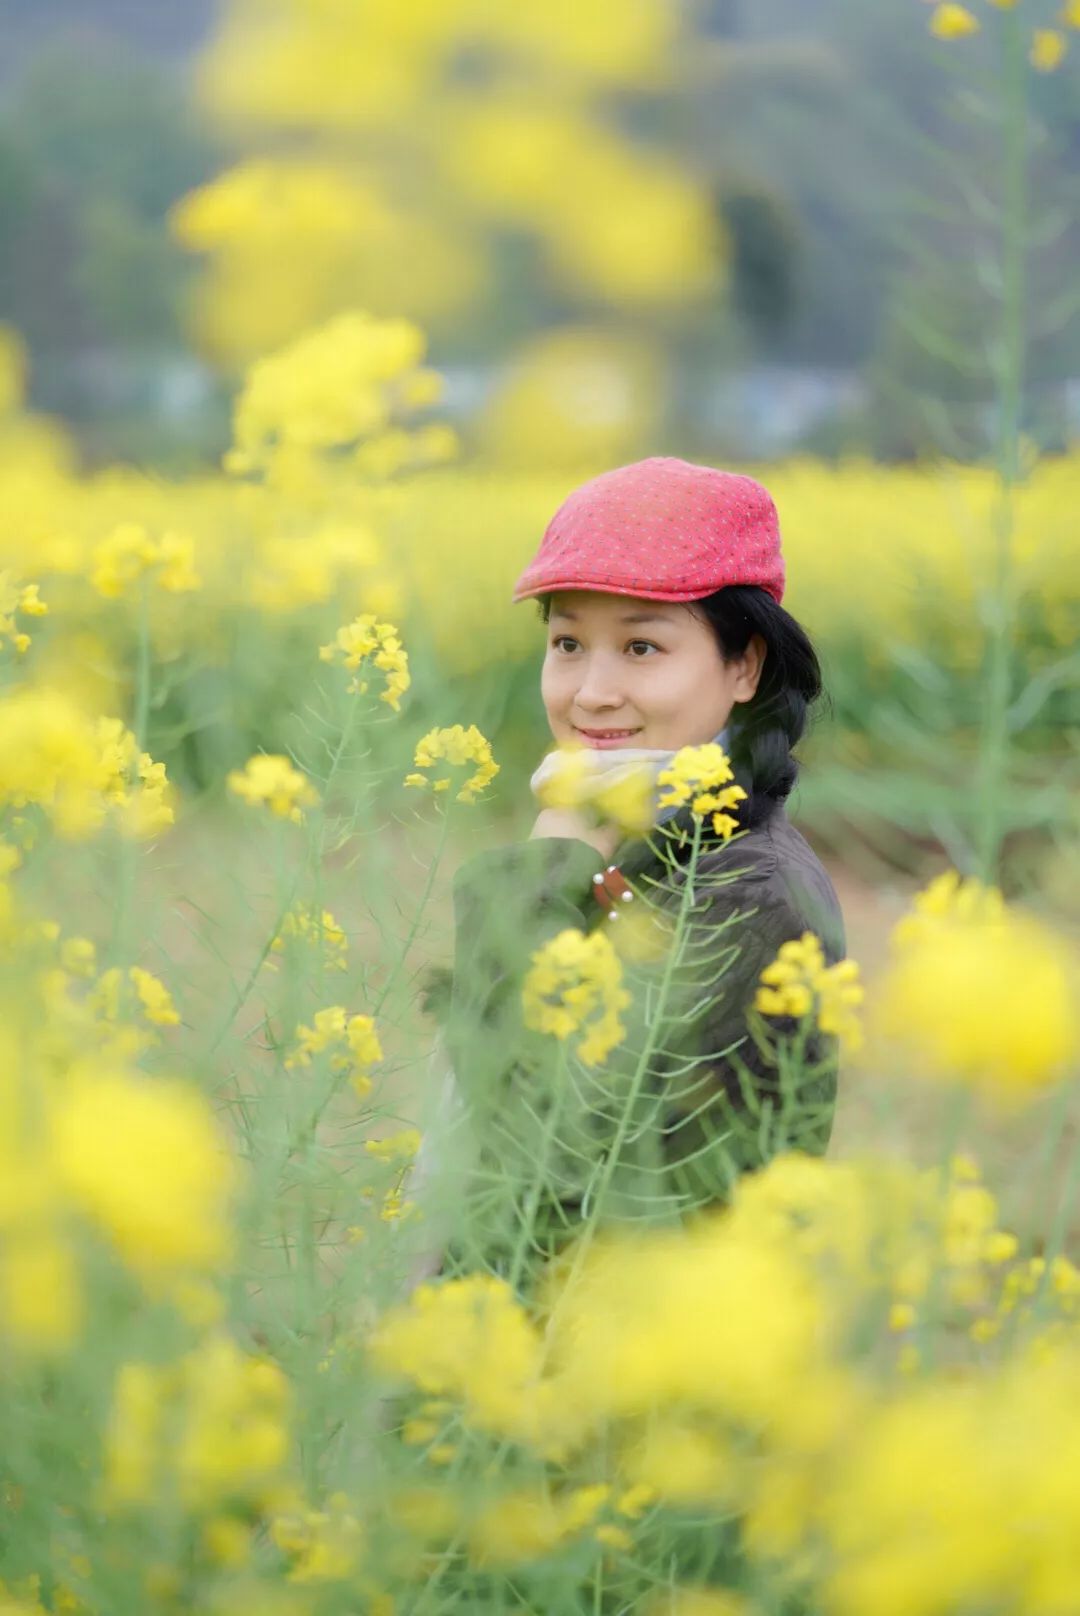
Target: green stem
pixel 433 869
pixel 611 1161
pixel 1009 364
pixel 536 1189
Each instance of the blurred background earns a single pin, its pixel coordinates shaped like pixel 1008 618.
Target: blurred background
pixel 725 228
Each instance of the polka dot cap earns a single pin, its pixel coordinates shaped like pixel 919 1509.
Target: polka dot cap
pixel 661 528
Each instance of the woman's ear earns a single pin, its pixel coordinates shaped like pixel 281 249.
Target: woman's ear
pixel 753 661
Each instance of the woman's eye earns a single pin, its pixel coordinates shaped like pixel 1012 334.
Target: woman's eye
pixel 563 639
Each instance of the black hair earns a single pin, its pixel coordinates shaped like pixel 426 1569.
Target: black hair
pixel 764 730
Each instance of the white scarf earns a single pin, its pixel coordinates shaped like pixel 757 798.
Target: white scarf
pixel 607 765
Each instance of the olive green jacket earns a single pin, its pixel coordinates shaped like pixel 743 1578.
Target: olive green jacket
pixel 650 1132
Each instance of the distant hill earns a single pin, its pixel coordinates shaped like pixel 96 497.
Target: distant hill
pixel 166 30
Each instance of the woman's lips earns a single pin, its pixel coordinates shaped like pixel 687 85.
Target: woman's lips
pixel 603 741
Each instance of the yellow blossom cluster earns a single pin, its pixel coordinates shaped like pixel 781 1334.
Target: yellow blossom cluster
pixel 615 1370
pixel 574 987
pixel 367 640
pixel 798 983
pixel 322 1545
pixel 140 1162
pixel 457 747
pixel 290 237
pixel 332 387
pixel 698 775
pixel 129 555
pixel 1048 46
pixel 317 929
pixel 353 1041
pixel 14 598
pixel 978 992
pixel 271 781
pixel 78 769
pixel 207 1432
pixel 118 1013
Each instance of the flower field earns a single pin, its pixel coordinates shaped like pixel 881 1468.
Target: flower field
pixel 275 1335
pixel 241 746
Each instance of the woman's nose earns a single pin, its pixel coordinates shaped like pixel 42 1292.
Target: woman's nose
pixel 598 686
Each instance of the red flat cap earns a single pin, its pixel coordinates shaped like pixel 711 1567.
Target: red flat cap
pixel 662 528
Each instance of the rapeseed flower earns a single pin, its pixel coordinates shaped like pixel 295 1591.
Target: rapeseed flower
pixel 304 925
pixel 132 783
pixel 129 554
pixel 41 1292
pixel 470 1340
pixel 353 1041
pixel 15 598
pixel 1048 47
pixel 114 999
pixel 366 640
pixel 574 986
pixel 698 775
pixel 270 780
pixel 950 21
pixel 323 1545
pixel 210 1431
pixel 799 983
pixel 455 746
pixel 79 770
pixel 329 387
pixel 144 1162
pixel 979 993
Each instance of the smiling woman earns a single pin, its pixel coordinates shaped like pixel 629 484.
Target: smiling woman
pixel 692 555
pixel 674 689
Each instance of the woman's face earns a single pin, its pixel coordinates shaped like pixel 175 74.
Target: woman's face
pixel 618 662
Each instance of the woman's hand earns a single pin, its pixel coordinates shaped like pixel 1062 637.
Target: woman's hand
pixel 572 822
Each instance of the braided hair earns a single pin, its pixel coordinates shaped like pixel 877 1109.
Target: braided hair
pixel 765 729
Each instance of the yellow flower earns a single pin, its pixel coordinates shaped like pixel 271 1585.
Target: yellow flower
pixel 1070 13
pixel 953 22
pixel 456 746
pixel 41 1300
pixel 323 1545
pixel 367 639
pixel 396 1147
pixel 320 930
pixel 328 1028
pixel 798 981
pixel 115 995
pixel 145 1162
pixel 79 770
pixel 978 993
pixel 333 1028
pixel 1048 46
pixel 329 387
pixel 471 1340
pixel 270 780
pixel 574 985
pixel 17 598
pixel 132 782
pixel 698 775
pixel 210 1429
pixel 128 554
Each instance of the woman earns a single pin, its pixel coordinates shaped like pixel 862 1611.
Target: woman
pixel 660 584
